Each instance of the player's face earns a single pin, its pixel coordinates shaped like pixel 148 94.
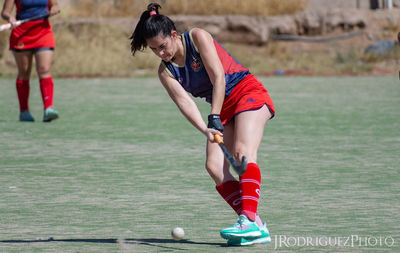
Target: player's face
pixel 163 47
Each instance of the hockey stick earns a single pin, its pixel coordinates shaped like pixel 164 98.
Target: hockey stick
pixel 9 25
pixel 240 169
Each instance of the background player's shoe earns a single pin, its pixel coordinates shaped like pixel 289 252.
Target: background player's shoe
pixel 242 228
pixel 263 238
pixel 26 116
pixel 50 114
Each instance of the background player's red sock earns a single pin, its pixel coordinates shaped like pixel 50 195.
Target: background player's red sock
pixel 22 87
pixel 250 185
pixel 230 191
pixel 47 89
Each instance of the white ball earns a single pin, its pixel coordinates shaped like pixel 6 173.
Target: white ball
pixel 177 233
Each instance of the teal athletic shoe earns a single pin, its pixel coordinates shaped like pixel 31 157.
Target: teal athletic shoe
pixel 26 116
pixel 242 228
pixel 263 238
pixel 50 114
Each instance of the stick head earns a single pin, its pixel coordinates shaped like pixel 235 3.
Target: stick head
pixel 241 169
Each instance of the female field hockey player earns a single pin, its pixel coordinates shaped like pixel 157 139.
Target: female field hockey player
pixel 240 107
pixel 32 39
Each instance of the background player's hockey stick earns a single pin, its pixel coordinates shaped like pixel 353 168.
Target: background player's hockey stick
pixel 8 26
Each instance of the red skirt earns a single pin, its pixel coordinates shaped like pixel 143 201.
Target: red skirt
pixel 248 94
pixel 32 34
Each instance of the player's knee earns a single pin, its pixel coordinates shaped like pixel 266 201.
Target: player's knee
pixel 43 71
pixel 24 74
pixel 213 171
pixel 210 167
pixel 240 152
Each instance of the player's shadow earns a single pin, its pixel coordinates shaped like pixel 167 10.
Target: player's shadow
pixel 154 242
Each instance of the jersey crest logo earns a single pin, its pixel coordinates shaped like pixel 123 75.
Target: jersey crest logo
pixel 196 64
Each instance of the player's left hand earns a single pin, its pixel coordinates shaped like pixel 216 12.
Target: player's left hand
pixel 214 121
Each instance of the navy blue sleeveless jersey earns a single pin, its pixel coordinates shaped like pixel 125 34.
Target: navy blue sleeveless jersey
pixel 193 75
pixel 31 8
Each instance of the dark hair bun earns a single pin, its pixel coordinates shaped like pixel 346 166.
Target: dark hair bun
pixel 153 7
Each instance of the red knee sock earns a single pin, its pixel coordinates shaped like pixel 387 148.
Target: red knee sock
pixel 47 89
pixel 250 185
pixel 22 87
pixel 230 191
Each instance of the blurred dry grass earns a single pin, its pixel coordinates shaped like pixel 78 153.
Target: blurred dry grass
pixel 96 49
pixel 88 50
pixel 133 8
pixel 100 48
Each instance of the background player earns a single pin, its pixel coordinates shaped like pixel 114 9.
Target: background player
pixel 33 39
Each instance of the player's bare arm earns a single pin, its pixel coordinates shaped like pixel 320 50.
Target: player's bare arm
pixel 6 13
pixel 185 103
pixel 205 44
pixel 54 7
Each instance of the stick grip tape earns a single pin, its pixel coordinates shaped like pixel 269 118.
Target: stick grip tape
pixel 218 138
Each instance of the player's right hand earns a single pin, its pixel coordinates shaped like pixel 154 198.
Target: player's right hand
pixel 13 21
pixel 210 132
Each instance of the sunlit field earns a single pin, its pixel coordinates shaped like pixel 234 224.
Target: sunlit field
pixel 121 167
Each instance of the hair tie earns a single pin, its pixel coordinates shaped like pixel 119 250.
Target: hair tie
pixel 153 13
